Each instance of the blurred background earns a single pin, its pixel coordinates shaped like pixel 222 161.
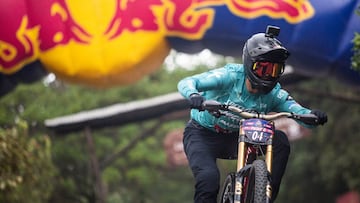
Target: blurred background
pixel 89 110
pixel 144 161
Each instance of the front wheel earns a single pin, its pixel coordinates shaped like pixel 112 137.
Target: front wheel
pixel 254 180
pixel 228 191
pixel 257 182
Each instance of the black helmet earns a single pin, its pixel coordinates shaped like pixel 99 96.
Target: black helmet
pixel 264 59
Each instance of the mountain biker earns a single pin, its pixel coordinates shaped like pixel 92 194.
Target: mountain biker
pixel 251 85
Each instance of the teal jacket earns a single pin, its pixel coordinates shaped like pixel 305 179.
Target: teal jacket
pixel 227 85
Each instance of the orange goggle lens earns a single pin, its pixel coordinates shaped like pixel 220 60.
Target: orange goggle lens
pixel 268 70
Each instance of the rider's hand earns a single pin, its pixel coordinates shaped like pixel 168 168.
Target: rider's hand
pixel 196 101
pixel 321 116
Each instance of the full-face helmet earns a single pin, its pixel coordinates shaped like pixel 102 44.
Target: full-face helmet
pixel 264 59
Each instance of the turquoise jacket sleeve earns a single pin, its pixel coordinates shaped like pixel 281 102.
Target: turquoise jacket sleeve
pixel 286 103
pixel 216 79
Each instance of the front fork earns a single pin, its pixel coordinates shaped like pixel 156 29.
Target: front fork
pixel 242 156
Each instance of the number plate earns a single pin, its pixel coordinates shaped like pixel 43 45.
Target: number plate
pixel 258 130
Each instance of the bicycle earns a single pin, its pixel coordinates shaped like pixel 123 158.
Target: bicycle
pixel 251 183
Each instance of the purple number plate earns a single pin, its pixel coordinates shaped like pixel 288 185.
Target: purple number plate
pixel 258 130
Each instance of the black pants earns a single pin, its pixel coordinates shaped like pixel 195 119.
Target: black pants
pixel 203 147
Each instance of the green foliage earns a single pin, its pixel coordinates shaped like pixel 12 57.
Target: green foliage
pixel 141 174
pixel 74 183
pixel 26 166
pixel 356 57
pixel 35 102
pixel 325 165
pixel 136 171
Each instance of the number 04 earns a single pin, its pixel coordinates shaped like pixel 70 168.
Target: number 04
pixel 257 136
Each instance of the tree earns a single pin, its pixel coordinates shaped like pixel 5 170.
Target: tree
pixel 26 166
pixel 134 172
pixel 356 57
pixel 325 165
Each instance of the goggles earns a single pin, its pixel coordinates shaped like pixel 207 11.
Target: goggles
pixel 268 70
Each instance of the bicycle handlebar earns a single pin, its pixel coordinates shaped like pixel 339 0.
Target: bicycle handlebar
pixel 214 106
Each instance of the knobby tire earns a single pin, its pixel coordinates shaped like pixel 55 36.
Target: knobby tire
pixel 228 191
pixel 261 179
pixel 255 192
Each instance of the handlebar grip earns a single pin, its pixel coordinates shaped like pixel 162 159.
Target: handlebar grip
pixel 212 105
pixel 309 119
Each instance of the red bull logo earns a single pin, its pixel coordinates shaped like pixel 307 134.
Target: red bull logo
pixel 187 18
pixel 293 11
pixel 133 16
pixel 59 15
pixel 45 30
pixel 95 42
pixel 192 18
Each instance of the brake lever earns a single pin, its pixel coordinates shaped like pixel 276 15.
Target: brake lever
pixel 224 107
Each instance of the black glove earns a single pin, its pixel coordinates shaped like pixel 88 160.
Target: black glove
pixel 196 101
pixel 321 116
